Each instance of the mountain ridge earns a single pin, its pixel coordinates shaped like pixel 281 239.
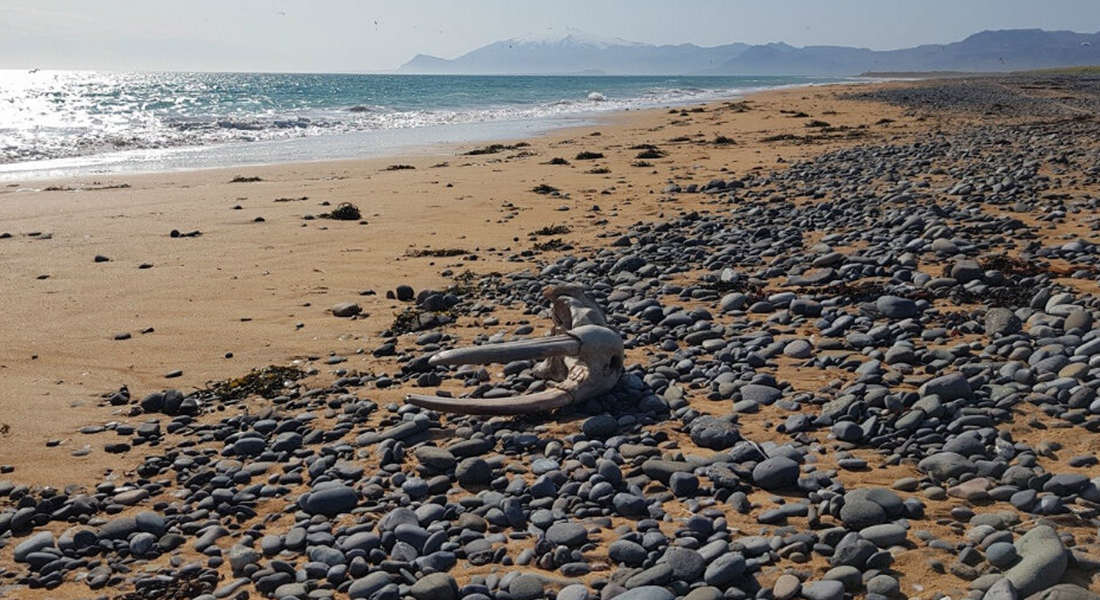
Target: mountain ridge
pixel 572 51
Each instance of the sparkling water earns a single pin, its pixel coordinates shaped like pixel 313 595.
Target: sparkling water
pixel 49 115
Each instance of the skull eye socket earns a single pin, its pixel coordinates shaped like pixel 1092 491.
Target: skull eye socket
pixel 615 363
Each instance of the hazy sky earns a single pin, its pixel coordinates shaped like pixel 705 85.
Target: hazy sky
pixel 357 35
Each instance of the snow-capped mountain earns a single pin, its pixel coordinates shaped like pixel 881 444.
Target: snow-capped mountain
pixel 570 36
pixel 572 51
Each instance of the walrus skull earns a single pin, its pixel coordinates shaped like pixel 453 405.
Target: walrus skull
pixel 583 360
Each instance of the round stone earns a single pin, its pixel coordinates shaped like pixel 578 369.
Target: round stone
pixel 600 427
pixel 567 534
pixel 1001 555
pixel 776 473
pixel 437 586
pixel 786 587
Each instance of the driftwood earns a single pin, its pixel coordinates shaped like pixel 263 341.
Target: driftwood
pixel 581 360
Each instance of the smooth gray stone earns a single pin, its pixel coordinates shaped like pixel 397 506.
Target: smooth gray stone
pixel 776 473
pixel 823 590
pixel 573 592
pixel 567 534
pixel 437 586
pixel 526 587
pixel 330 501
pixel 725 570
pixel 1064 591
pixel 1001 555
pixel 946 465
pixel 687 564
pixel 646 592
pixel 35 543
pixel 1043 561
pixel 948 387
pixel 1001 590
pixel 626 552
pixel 884 535
pixel 361 589
pixel 894 307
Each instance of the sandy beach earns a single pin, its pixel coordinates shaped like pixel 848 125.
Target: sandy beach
pixel 263 290
pixel 100 294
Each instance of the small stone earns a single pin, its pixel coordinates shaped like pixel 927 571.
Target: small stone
pixel 1000 322
pixel 823 590
pixel 776 473
pixel 346 309
pixel 600 427
pixel 526 587
pixel 473 472
pixel 1001 555
pixel 786 587
pixel 895 308
pixel 437 586
pixel 567 534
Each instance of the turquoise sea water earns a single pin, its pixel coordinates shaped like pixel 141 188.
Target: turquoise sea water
pixel 65 119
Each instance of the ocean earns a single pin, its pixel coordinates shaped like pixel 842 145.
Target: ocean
pixel 70 122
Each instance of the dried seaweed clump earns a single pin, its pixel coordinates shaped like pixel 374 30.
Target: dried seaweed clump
pixel 436 252
pixel 1010 265
pixel 267 382
pixel 553 230
pixel 345 212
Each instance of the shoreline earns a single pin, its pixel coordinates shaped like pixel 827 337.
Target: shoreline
pixel 347 146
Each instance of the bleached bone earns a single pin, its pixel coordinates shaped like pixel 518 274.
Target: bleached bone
pixel 584 359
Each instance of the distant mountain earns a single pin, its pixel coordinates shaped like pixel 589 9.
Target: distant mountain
pixel 572 51
pixel 1010 50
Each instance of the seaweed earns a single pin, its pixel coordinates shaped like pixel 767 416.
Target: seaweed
pixel 495 149
pixel 543 188
pixel 399 168
pixel 557 160
pixel 721 140
pixel 586 155
pixel 1010 265
pixel 548 245
pixel 182 587
pixel 1002 297
pixel 243 179
pixel 344 212
pixel 553 230
pixel 651 153
pixel 436 252
pixel 267 383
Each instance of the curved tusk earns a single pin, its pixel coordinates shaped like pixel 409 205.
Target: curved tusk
pixel 539 348
pixel 515 405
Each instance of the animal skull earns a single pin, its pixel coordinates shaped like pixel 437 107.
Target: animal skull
pixel 584 359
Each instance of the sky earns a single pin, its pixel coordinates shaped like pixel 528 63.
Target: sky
pixel 376 35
